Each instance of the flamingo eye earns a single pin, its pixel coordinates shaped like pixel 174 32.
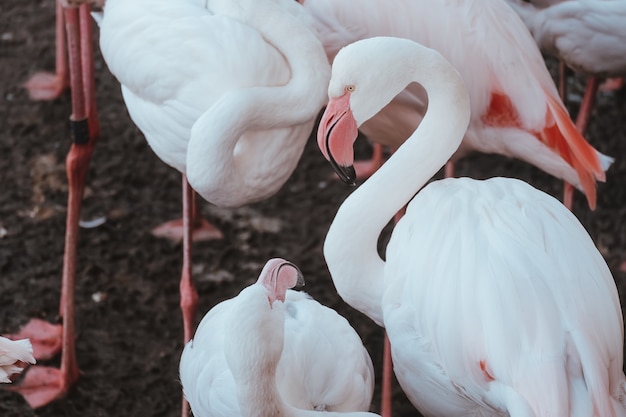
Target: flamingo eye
pixel 349 88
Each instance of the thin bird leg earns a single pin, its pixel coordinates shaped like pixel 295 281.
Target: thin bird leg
pixel 584 113
pixel 45 85
pixel 42 385
pixel 386 394
pixel 449 169
pixel 188 293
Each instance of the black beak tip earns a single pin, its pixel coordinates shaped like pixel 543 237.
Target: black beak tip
pixel 347 174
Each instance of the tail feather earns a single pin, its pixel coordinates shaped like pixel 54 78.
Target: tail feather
pixel 562 136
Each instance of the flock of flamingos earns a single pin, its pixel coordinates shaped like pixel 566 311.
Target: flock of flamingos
pixel 228 92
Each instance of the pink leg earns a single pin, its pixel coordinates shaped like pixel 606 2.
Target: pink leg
pixel 188 293
pixel 47 86
pixel 42 385
pixel 449 169
pixel 386 396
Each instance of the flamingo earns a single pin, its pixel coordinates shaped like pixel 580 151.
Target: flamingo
pixel 273 351
pixel 14 356
pixel 226 92
pixel 516 110
pixel 586 35
pixel 493 295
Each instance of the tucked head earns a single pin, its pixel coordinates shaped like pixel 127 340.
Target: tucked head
pixel 277 276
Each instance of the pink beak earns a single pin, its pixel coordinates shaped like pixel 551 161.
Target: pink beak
pixel 336 135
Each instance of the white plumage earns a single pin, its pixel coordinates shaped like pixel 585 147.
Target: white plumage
pixel 225 92
pixel 495 299
pixel 516 110
pixel 321 365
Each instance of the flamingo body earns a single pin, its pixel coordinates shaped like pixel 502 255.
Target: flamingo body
pixel 323 365
pixel 516 110
pixel 178 62
pixel 494 297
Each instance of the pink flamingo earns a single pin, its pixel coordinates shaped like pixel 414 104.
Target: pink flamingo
pixel 516 109
pixel 495 298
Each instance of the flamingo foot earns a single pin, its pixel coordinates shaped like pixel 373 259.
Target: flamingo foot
pixel 42 385
pixel 173 231
pixel 45 338
pixel 44 86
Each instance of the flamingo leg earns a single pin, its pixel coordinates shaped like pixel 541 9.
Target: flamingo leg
pixel 449 169
pixel 45 85
pixel 42 385
pixel 188 293
pixel 387 387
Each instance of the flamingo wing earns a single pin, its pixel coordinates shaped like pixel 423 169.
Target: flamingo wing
pixel 510 304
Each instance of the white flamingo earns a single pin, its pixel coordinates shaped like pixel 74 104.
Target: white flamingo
pixel 272 351
pixel 14 356
pixel 516 109
pixel 226 92
pixel 587 35
pixel 495 299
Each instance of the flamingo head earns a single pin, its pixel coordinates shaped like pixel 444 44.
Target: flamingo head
pixel 277 276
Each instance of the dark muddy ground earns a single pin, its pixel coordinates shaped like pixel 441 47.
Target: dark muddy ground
pixel 128 320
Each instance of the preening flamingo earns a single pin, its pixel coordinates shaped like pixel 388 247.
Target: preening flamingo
pixel 494 297
pixel 588 36
pixel 14 356
pixel 272 351
pixel 516 109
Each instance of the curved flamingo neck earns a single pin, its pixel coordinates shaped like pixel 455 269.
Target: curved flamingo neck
pixel 351 244
pixel 217 158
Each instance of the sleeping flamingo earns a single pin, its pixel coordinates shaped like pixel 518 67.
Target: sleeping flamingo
pixel 494 297
pixel 14 356
pixel 227 92
pixel 231 105
pixel 516 109
pixel 272 351
pixel 588 36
